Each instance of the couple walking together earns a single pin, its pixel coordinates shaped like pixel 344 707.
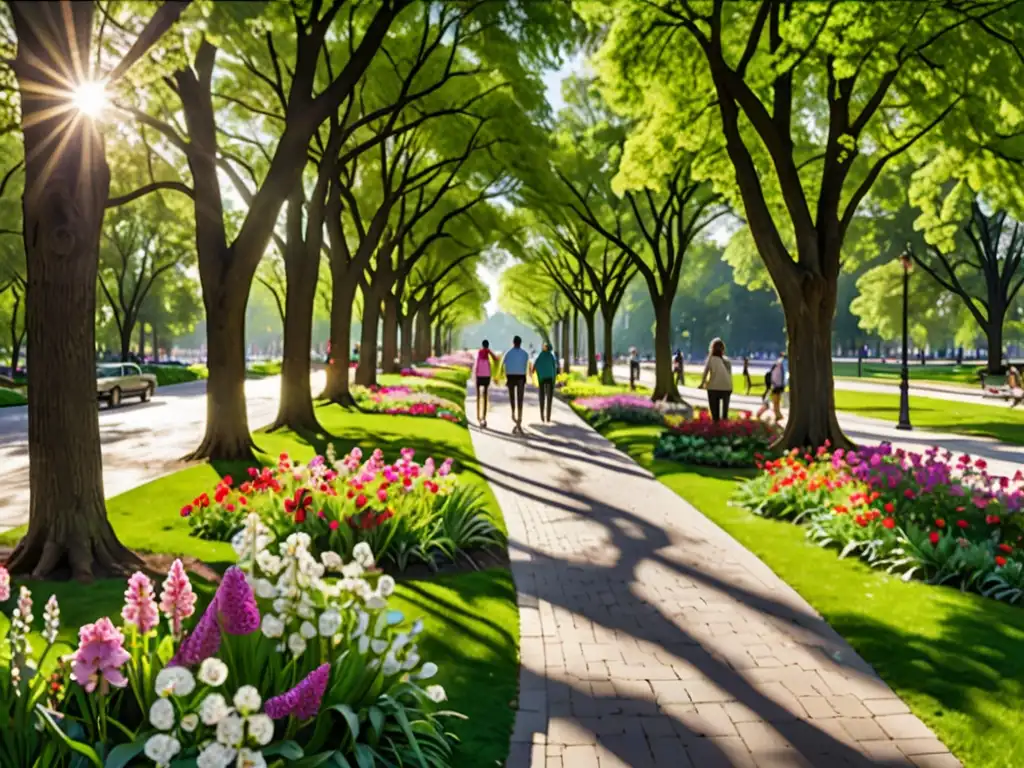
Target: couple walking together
pixel 717 380
pixel 516 365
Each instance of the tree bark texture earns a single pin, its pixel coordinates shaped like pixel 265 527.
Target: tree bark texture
pixel 994 338
pixel 67 183
pixel 366 373
pixel 566 353
pixel 342 298
pixel 406 331
pixel 389 343
pixel 423 331
pixel 664 381
pixel 591 344
pixel 437 350
pixel 607 374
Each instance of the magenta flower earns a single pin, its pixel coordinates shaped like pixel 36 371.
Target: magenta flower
pixel 5 585
pixel 99 657
pixel 139 604
pixel 302 701
pixel 236 604
pixel 203 643
pixel 177 600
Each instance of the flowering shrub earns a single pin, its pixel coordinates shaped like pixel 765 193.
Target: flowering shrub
pixel 461 359
pixel 404 511
pixel 422 373
pixel 918 515
pixel 728 443
pixel 311 665
pixel 632 409
pixel 406 401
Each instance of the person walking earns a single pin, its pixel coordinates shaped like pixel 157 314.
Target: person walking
pixel 717 380
pixel 482 370
pixel 515 363
pixel 1014 385
pixel 545 368
pixel 679 369
pixel 746 374
pixel 634 368
pixel 775 386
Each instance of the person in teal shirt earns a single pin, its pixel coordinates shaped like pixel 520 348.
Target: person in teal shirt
pixel 545 367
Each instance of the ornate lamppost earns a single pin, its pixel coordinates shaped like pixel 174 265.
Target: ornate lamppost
pixel 906 261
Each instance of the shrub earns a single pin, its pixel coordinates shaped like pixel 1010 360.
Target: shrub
pixel 630 408
pixel 729 443
pixel 176 374
pixel 405 511
pixel 917 515
pixel 407 401
pixel 295 658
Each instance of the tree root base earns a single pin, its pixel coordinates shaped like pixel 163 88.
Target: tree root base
pixel 39 557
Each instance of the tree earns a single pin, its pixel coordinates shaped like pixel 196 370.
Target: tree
pixel 66 191
pixel 799 108
pixel 528 293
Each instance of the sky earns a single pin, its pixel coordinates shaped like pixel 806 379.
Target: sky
pixel 553 85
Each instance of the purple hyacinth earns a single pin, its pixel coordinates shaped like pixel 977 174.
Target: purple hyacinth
pixel 302 701
pixel 203 643
pixel 236 603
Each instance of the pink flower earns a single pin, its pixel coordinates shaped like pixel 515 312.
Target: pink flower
pixel 177 600
pixel 5 585
pixel 239 613
pixel 99 657
pixel 139 605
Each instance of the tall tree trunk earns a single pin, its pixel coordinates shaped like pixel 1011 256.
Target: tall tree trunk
pixel 437 340
pixel 389 344
pixel 591 344
pixel 607 375
pixel 406 328
pixel 295 409
pixel 154 341
pixel 565 344
pixel 126 338
pixel 575 334
pixel 664 381
pixel 366 373
pixel 994 338
pixel 16 341
pixel 808 324
pixel 423 332
pixel 342 298
pixel 142 340
pixel 227 435
pixel 67 182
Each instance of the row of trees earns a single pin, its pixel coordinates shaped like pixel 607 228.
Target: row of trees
pixel 364 146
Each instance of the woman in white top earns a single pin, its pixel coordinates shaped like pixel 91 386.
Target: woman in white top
pixel 717 379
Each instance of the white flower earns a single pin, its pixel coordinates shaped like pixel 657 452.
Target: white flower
pixel 401 640
pixel 307 630
pixel 162 748
pixel 332 561
pixel 247 700
pixel 51 620
pixel 436 693
pixel 364 644
pixel 376 603
pixel 329 623
pixel 296 644
pixel 190 722
pixel 213 709
pixel 216 756
pixel 272 626
pixel 265 589
pixel 391 665
pixel 250 758
pixel 305 611
pixel 261 729
pixel 362 624
pixel 231 731
pixel 378 646
pixel 161 715
pixel 412 660
pixel 176 681
pixel 428 671
pixel 213 672
pixel 363 555
pixel 386 585
pixel 268 563
pixel 352 570
pixel 417 627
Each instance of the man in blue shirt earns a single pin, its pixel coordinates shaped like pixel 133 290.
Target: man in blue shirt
pixel 515 363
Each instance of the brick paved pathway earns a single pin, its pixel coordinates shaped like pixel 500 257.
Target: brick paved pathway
pixel 650 637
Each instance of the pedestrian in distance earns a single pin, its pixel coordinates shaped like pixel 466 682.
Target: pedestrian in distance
pixel 483 372
pixel 634 368
pixel 544 367
pixel 774 387
pixel 1014 385
pixel 515 363
pixel 679 369
pixel 746 374
pixel 717 380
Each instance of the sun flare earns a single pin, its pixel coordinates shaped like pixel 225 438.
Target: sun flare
pixel 90 98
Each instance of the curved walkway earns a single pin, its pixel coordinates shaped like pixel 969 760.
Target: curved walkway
pixel 650 637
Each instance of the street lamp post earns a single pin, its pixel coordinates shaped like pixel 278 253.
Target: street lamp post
pixel 904 423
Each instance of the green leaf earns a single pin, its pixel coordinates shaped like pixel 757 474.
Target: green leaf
pixel 313 760
pixel 76 746
pixel 122 754
pixel 376 721
pixel 289 750
pixel 350 717
pixel 165 651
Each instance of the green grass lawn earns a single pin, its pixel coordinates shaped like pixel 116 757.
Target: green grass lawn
pixel 472 618
pixel 959 375
pixel 176 374
pixel 954 658
pixel 9 397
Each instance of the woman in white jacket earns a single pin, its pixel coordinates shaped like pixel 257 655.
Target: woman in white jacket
pixel 717 379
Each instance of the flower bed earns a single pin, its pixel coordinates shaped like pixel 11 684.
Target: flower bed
pixel 295 659
pixel 407 401
pixel 738 442
pixel 453 360
pixel 630 408
pixel 405 511
pixel 924 516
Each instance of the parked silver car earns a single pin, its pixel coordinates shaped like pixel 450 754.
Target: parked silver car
pixel 116 381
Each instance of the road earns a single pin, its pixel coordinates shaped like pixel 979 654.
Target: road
pixel 141 441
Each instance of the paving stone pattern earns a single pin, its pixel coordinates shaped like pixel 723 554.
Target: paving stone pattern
pixel 650 637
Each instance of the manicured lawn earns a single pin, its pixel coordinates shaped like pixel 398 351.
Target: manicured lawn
pixel 472 620
pixel 9 397
pixel 960 375
pixel 954 658
pixel 997 422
